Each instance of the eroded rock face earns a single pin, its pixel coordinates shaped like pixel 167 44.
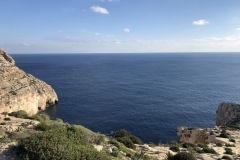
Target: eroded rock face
pixel 193 135
pixel 228 114
pixel 20 90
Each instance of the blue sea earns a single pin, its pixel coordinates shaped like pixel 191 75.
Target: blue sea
pixel 149 95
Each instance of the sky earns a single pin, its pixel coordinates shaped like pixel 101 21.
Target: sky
pixel 119 26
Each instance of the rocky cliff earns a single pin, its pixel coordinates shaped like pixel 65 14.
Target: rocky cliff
pixel 228 114
pixel 20 90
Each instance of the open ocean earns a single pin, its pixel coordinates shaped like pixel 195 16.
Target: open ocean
pixel 146 94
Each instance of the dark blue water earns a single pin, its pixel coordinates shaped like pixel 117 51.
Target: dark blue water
pixel 147 94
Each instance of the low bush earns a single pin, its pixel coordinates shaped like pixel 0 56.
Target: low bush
pixel 99 139
pixel 208 150
pixel 232 140
pixel 126 138
pixel 219 144
pixel 115 152
pixel 186 145
pixel 122 147
pixel 229 145
pixel 65 142
pixel 174 148
pixel 169 156
pixel 41 117
pixel 224 134
pixel 183 156
pixel 126 141
pixel 140 156
pixel 19 114
pixel 151 144
pixel 226 158
pixel 7 119
pixel 228 151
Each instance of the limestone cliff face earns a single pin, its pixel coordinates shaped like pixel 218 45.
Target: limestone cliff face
pixel 20 90
pixel 228 114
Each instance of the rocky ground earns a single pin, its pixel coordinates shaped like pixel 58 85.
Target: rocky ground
pixel 12 129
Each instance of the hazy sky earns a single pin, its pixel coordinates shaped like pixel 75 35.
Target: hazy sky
pixel 106 26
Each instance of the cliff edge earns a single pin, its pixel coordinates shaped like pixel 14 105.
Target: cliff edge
pixel 22 91
pixel 228 114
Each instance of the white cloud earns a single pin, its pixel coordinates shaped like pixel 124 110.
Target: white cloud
pixel 98 9
pixel 97 34
pixel 200 22
pixel 238 29
pixel 26 44
pixel 127 30
pixel 219 39
pixel 110 0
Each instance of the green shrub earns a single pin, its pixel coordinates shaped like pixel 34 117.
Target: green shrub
pixel 42 126
pixel 140 156
pixel 151 144
pixel 224 134
pixel 21 134
pixel 226 157
pixel 208 150
pixel 99 139
pixel 3 123
pixel 135 140
pixel 228 151
pixel 169 156
pixel 126 141
pixel 19 114
pixel 229 145
pixel 7 119
pixel 41 117
pixel 65 142
pixel 126 138
pixel 187 145
pixel 183 156
pixel 115 152
pixel 122 147
pixel 219 144
pixel 121 133
pixel 174 148
pixel 232 140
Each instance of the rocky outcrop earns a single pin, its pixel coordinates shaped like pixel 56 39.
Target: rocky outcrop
pixel 22 91
pixel 194 135
pixel 228 114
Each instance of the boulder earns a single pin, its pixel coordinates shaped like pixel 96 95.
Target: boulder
pixel 22 91
pixel 228 114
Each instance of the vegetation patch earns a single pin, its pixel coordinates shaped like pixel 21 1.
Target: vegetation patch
pixel 208 150
pixel 19 114
pixel 228 151
pixel 126 138
pixel 62 142
pixel 174 148
pixel 183 156
pixel 226 158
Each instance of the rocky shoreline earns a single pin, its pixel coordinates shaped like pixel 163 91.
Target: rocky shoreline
pixel 23 96
pixel 200 142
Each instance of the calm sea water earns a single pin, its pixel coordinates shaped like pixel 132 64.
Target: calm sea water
pixel 146 94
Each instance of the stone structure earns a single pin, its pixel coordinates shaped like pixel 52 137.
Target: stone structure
pixel 193 135
pixel 228 114
pixel 20 90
